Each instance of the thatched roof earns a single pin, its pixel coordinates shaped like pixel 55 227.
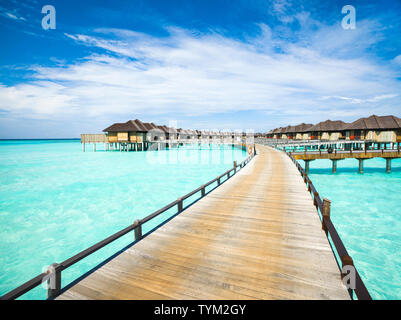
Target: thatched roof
pixel 289 129
pixel 303 127
pixel 282 130
pixel 185 132
pixel 375 122
pixel 150 126
pixel 328 125
pixel 292 129
pixel 166 129
pixel 131 125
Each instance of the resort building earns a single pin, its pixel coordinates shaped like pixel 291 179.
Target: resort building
pixel 298 132
pixel 301 131
pixel 166 133
pixel 283 133
pixel 288 132
pixel 136 131
pixel 186 134
pixel 327 130
pixel 130 131
pixel 375 128
pixel 277 133
pixel 291 132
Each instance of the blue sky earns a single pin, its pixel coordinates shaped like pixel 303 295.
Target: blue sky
pixel 245 64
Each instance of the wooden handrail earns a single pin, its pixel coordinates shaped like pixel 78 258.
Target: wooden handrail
pixel 360 289
pixel 136 226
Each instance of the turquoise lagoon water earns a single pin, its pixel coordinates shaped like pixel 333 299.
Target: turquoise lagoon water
pixel 56 200
pixel 367 214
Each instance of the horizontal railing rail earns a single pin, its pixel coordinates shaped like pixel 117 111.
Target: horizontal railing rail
pixel 360 289
pixel 352 152
pixel 331 144
pixel 53 275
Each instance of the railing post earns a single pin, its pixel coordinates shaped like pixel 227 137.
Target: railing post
pixel 326 212
pixel 346 260
pixel 54 281
pixel 235 166
pixel 138 229
pixel 218 180
pixel 203 188
pixel 179 204
pixel 315 195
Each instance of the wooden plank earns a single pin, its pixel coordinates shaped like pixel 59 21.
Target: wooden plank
pixel 257 236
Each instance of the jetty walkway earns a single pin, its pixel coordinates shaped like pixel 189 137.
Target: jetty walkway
pixel 257 236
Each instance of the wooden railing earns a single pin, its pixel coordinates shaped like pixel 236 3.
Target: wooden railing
pixel 323 206
pixel 346 152
pixel 53 274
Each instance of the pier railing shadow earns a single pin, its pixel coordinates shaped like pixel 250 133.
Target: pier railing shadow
pixel 323 209
pixel 53 275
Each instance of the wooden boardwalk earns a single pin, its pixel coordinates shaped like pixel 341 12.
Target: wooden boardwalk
pixel 257 236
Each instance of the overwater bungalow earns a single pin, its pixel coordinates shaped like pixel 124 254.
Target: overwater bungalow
pixel 269 134
pixel 193 134
pixel 206 134
pixel 301 131
pixel 135 135
pixel 277 133
pixel 375 128
pixel 168 133
pixel 370 129
pixel 327 130
pixel 136 131
pixel 186 134
pixel 283 133
pixel 289 132
pixel 154 132
pixel 130 131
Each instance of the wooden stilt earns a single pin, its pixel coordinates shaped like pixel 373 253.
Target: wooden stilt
pixel 388 165
pixel 360 165
pixel 307 166
pixel 334 165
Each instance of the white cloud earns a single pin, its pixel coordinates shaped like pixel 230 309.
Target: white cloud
pixel 360 101
pixel 190 75
pixel 397 59
pixel 13 16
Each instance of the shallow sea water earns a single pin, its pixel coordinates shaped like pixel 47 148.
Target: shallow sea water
pixel 56 200
pixel 366 212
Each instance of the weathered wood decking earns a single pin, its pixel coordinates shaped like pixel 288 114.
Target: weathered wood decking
pixel 258 236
